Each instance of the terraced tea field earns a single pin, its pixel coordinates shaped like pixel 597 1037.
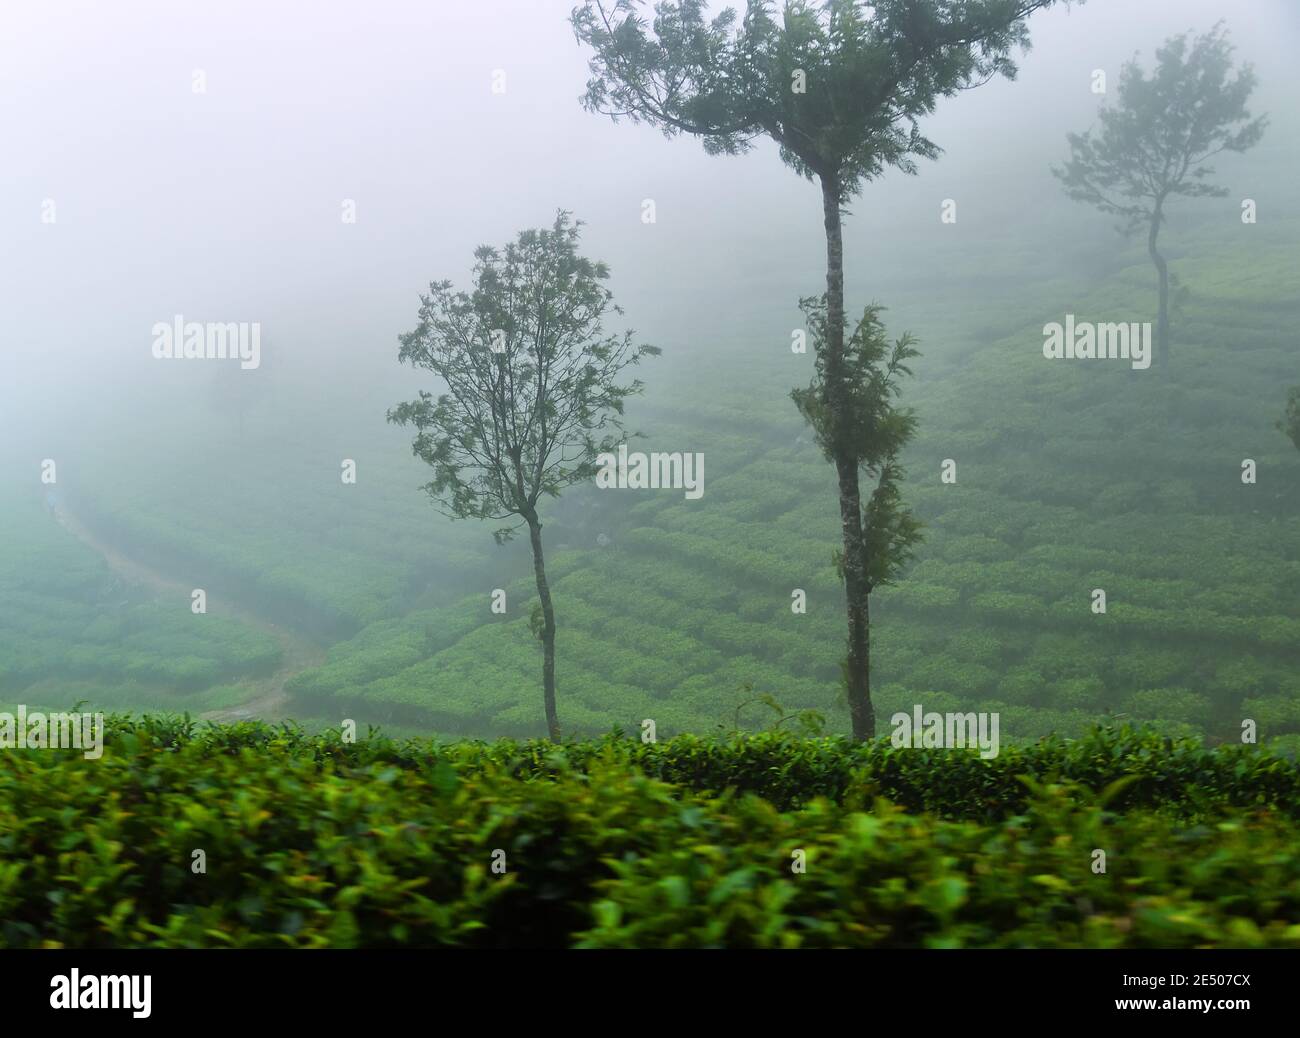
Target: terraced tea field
pixel 1070 476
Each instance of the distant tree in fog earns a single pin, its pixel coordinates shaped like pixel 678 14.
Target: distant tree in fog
pixel 1154 143
pixel 532 392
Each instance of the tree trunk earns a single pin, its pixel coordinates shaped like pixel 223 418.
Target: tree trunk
pixel 548 630
pixel 1162 315
pixel 857 669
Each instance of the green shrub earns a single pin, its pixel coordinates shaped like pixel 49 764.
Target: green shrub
pixel 311 841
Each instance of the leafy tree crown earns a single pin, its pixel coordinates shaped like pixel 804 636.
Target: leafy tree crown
pixel 532 378
pixel 867 72
pixel 1156 140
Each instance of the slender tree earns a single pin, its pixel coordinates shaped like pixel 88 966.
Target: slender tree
pixel 532 392
pixel 1154 143
pixel 840 87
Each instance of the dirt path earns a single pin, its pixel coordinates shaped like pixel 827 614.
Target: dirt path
pixel 266 695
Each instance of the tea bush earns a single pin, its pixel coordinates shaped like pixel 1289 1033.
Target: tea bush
pixel 312 841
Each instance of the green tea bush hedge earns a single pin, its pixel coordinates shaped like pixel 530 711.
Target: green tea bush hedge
pixel 311 841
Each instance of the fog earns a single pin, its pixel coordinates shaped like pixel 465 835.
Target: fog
pixel 225 205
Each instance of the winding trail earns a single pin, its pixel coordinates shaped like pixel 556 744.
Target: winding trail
pixel 267 698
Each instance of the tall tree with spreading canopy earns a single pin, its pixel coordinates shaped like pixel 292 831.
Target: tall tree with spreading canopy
pixel 1154 143
pixel 840 87
pixel 533 392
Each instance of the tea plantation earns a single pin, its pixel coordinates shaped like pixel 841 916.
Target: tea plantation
pixel 1069 478
pixel 188 835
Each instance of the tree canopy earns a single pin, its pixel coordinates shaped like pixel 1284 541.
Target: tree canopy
pixel 1156 140
pixel 531 374
pixel 840 86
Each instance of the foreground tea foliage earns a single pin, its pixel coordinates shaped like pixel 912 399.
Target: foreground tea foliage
pixel 309 841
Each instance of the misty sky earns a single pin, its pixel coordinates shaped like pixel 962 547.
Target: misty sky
pixel 225 206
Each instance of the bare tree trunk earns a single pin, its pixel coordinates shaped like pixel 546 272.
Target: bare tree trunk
pixel 548 630
pixel 857 669
pixel 1162 315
